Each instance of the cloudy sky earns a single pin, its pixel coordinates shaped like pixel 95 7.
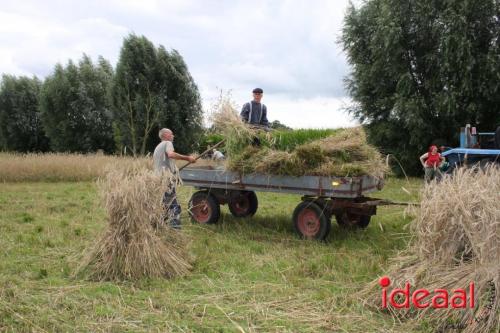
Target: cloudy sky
pixel 288 48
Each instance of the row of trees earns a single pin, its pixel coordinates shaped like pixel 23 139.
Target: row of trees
pixel 423 69
pixel 86 106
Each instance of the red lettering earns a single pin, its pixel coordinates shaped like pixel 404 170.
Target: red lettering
pixel 419 295
pixel 384 298
pixel 401 298
pixel 441 294
pixel 471 294
pixel 405 292
pixel 384 282
pixel 460 295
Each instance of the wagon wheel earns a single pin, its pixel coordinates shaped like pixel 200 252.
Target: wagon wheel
pixel 310 222
pixel 243 203
pixel 350 220
pixel 204 208
pixel 323 205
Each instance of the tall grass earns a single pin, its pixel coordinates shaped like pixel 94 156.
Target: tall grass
pixel 287 140
pixel 55 167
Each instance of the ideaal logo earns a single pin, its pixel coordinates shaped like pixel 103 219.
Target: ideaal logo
pixel 438 299
pixel 419 298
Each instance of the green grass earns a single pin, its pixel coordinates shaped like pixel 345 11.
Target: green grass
pixel 285 140
pixel 289 139
pixel 250 274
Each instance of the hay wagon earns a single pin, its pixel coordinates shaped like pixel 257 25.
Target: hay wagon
pixel 322 197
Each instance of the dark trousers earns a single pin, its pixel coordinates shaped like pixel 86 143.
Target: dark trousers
pixel 172 208
pixel 432 173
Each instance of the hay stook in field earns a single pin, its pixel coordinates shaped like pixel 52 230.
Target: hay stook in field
pixel 456 241
pixel 137 242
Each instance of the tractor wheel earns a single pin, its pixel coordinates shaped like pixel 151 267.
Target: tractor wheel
pixel 310 222
pixel 204 208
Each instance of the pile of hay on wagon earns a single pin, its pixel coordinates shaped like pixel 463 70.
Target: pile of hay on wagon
pixel 138 242
pixel 456 242
pixel 342 152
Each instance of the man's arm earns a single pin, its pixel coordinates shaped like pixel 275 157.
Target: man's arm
pixel 169 150
pixel 264 120
pixel 175 156
pixel 245 112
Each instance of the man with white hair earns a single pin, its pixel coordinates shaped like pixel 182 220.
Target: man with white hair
pixel 217 155
pixel 164 158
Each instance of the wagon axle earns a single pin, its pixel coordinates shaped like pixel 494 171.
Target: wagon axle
pixel 311 218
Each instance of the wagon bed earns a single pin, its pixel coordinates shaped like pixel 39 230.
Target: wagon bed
pixel 339 187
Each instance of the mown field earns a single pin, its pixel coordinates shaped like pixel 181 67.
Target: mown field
pixel 251 275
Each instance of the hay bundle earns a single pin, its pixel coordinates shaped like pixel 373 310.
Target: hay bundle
pixel 344 153
pixel 350 140
pixel 457 241
pixel 277 163
pixel 137 242
pixel 226 120
pixel 304 152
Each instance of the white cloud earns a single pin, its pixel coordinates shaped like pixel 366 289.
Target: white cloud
pixel 317 112
pixel 286 47
pixel 33 45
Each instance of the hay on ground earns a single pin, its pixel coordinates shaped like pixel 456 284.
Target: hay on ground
pixel 456 241
pixel 137 243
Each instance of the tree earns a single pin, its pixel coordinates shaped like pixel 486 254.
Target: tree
pixel 152 89
pixel 20 126
pixel 277 125
pixel 184 112
pixel 421 70
pixel 75 105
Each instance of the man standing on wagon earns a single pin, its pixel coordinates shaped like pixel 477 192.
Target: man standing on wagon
pixel 255 112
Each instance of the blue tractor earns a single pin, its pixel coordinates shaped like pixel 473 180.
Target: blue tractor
pixel 476 148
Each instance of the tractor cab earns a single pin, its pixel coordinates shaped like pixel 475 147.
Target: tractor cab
pixel 480 148
pixel 471 138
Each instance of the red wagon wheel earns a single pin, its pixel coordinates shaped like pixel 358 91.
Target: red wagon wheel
pixel 310 221
pixel 204 208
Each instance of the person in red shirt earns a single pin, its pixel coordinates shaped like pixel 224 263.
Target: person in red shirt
pixel 431 162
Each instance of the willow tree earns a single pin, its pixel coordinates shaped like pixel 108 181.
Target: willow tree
pixel 75 106
pixel 152 88
pixel 421 69
pixel 20 125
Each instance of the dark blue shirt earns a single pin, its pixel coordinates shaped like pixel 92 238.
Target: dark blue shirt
pixel 254 113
